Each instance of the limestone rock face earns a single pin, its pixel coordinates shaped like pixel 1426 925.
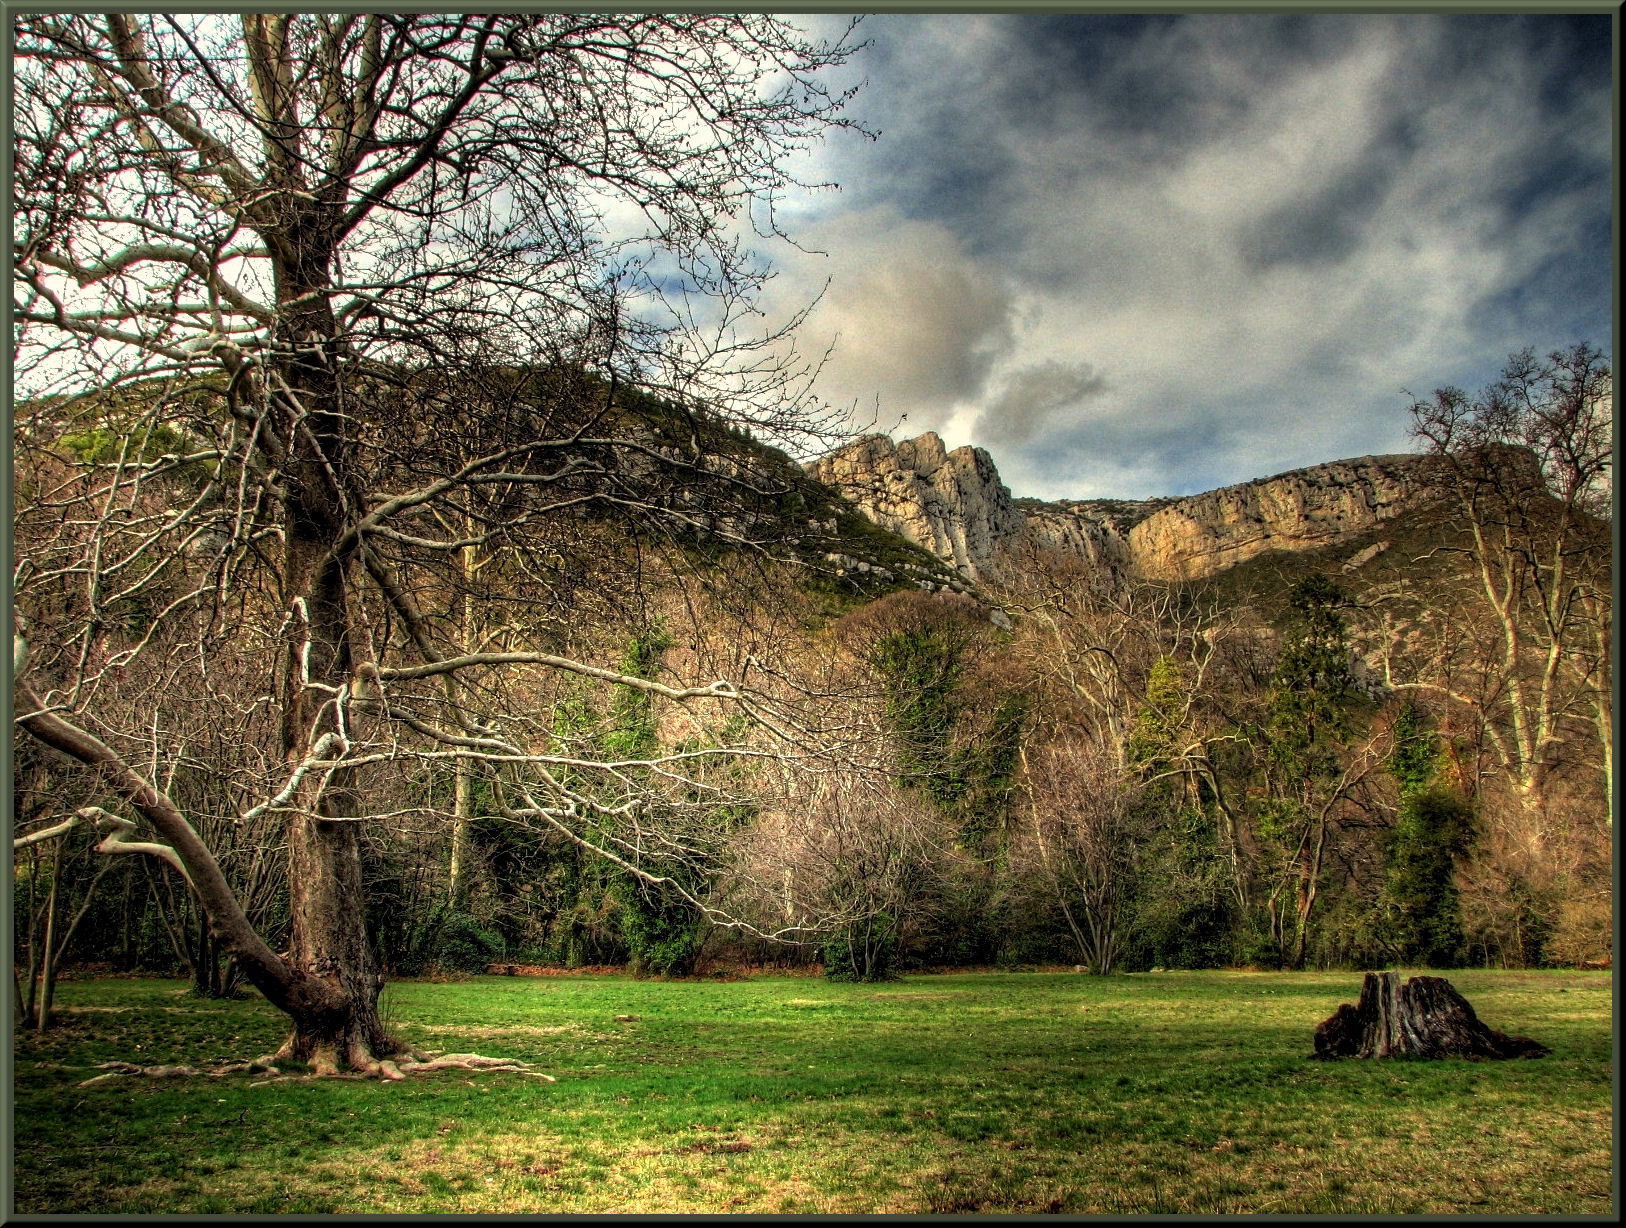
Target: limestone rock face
pixel 1096 530
pixel 1067 531
pixel 954 505
pixel 1203 534
pixel 951 503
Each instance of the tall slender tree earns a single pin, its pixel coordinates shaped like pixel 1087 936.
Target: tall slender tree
pixel 1523 470
pixel 1310 766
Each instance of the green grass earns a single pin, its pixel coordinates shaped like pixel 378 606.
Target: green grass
pixel 1166 1092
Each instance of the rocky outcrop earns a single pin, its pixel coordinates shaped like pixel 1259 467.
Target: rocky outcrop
pixel 954 505
pixel 1204 534
pixel 951 503
pixel 1093 529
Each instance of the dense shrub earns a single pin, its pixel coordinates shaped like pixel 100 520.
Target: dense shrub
pixel 464 945
pixel 865 951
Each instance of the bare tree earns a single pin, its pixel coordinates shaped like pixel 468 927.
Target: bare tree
pixel 1523 468
pixel 862 852
pixel 1081 843
pixel 322 303
pixel 1141 669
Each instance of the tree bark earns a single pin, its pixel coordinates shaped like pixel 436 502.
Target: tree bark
pixel 1423 1018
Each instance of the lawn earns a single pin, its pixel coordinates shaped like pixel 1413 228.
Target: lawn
pixel 1019 1092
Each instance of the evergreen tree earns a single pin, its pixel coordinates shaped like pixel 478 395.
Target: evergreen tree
pixel 1313 697
pixel 1434 828
pixel 1180 895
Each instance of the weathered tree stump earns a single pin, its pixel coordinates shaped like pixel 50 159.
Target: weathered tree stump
pixel 1424 1018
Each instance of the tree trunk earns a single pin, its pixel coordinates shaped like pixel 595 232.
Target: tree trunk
pixel 1424 1018
pixel 336 1023
pixel 457 886
pixel 47 967
pixel 343 1030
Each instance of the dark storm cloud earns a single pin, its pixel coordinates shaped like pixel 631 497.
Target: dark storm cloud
pixel 1029 397
pixel 1253 231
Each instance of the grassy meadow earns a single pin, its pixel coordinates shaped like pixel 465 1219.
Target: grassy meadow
pixel 1017 1092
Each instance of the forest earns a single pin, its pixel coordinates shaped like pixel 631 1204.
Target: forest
pixel 415 574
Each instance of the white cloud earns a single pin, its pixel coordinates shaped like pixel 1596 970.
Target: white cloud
pixel 916 324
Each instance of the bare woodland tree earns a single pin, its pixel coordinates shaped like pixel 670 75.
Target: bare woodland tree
pixel 1133 662
pixel 1524 467
pixel 1081 843
pixel 337 316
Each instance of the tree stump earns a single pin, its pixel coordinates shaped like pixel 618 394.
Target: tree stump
pixel 1424 1018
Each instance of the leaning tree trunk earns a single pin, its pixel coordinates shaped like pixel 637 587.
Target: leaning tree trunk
pixel 1424 1018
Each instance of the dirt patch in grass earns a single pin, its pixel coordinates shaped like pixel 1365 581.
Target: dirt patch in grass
pixel 492 1031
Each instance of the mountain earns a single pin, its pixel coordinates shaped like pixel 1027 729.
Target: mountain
pixel 954 505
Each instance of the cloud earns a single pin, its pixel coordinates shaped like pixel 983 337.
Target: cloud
pixel 915 325
pixel 1151 256
pixel 1031 397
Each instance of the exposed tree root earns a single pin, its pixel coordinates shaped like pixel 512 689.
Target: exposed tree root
pixel 322 1066
pixel 473 1061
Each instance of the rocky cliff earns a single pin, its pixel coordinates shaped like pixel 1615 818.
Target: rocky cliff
pixel 954 505
pixel 1203 534
pixel 951 503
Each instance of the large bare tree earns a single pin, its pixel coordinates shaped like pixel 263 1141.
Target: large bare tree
pixel 1523 469
pixel 319 317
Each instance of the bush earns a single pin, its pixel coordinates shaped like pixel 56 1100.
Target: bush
pixel 588 931
pixel 462 944
pixel 1584 933
pixel 866 951
pixel 1421 910
pixel 663 934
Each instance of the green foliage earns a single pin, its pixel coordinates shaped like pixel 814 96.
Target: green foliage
pixel 1350 934
pixel 1517 934
pixel 1281 818
pixel 980 775
pixel 442 939
pixel 1313 690
pixel 1313 706
pixel 462 944
pixel 100 446
pixel 1416 754
pixel 924 669
pixel 952 913
pixel 585 929
pixel 921 667
pixel 1433 830
pixel 1180 902
pixel 662 931
pixel 866 950
pixel 1155 732
pixel 632 731
pixel 659 929
pixel 1180 910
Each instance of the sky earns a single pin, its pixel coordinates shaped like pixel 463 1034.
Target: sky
pixel 1154 255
